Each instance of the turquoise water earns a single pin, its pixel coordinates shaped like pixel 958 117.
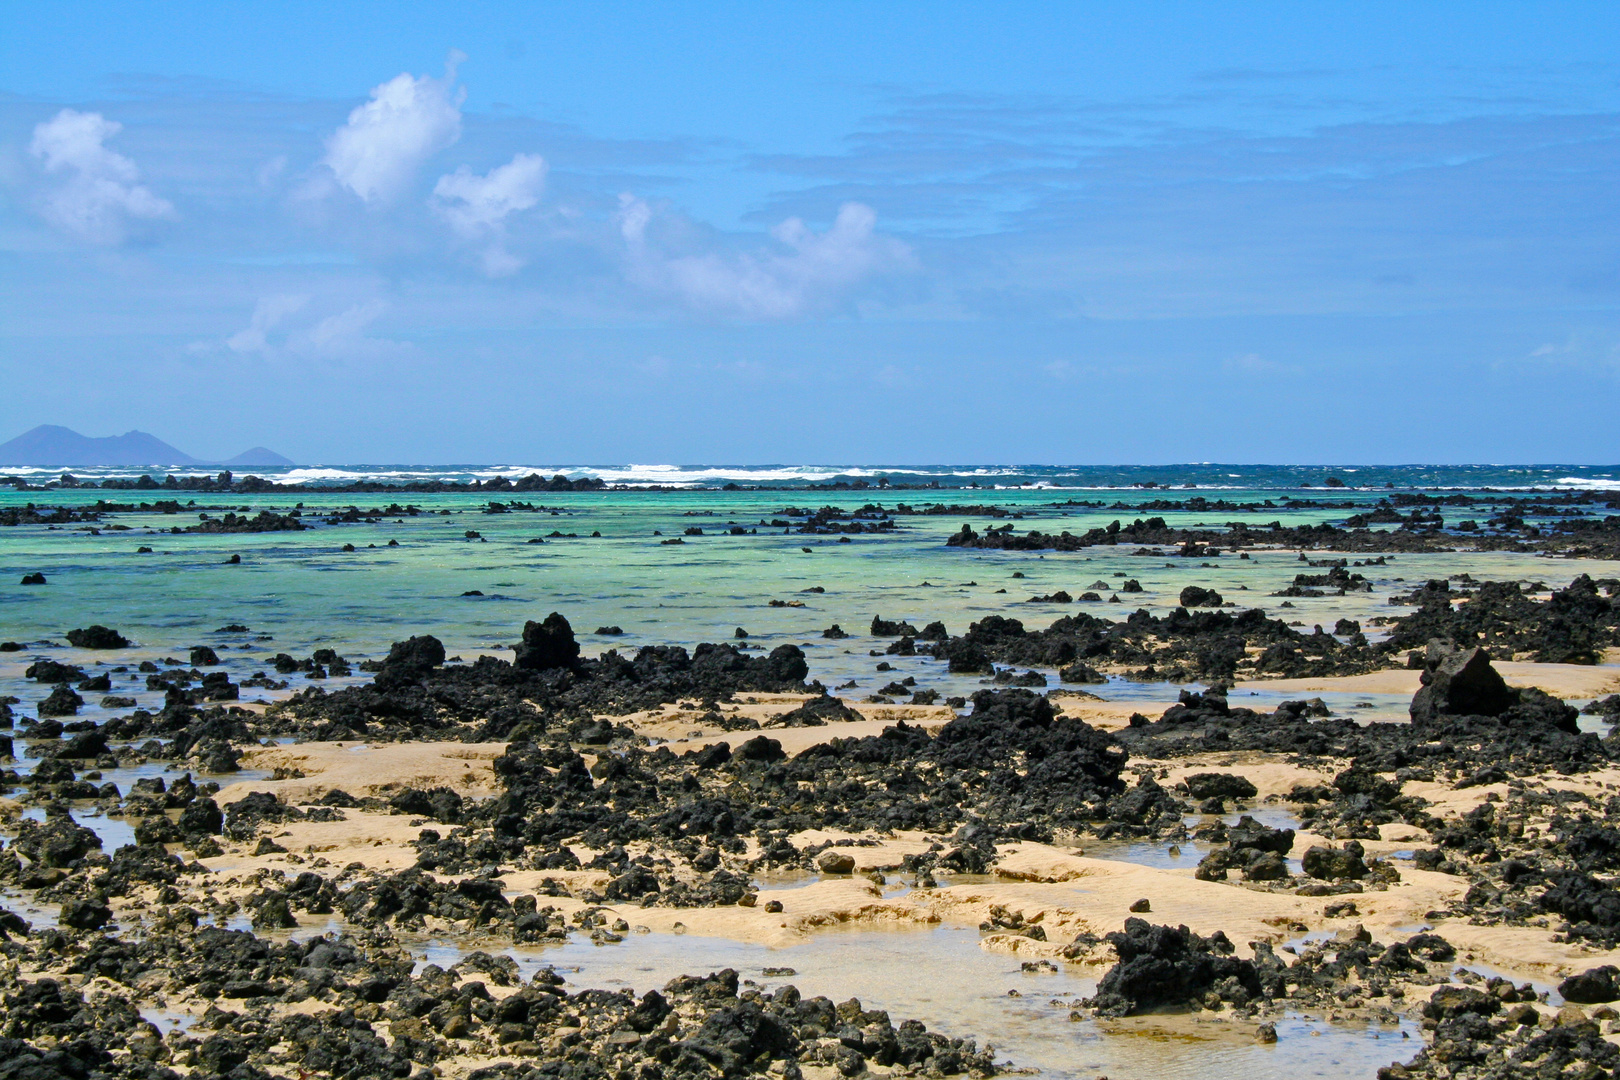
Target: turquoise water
pixel 299 591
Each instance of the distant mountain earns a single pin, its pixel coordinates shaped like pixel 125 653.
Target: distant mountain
pixel 51 445
pixel 257 458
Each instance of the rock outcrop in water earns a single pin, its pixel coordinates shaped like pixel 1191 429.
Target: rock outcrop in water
pixel 1171 965
pixel 1180 646
pixel 97 636
pixel 416 696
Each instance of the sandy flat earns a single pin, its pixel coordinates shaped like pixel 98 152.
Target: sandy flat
pixel 1108 715
pixel 1062 890
pixel 683 729
pixel 1447 800
pixel 377 841
pixel 1576 681
pixel 361 769
pixel 1272 777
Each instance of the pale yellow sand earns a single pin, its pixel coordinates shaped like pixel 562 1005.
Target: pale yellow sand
pixel 361 769
pixel 683 729
pixel 1562 680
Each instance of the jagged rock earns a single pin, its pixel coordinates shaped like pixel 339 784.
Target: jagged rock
pixel 1462 683
pixel 1335 864
pixel 1165 965
pixel 1081 672
pixel 547 645
pixel 61 702
pixel 1220 786
pixel 409 660
pixel 1593 986
pixel 85 914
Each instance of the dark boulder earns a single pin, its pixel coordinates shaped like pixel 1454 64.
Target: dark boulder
pixel 1198 596
pixel 760 748
pixel 51 671
pixel 1591 987
pixel 816 712
pixel 1170 965
pixel 202 816
pixel 547 645
pixel 85 914
pixel 785 665
pixel 1335 864
pixel 61 702
pixel 1249 835
pixel 1461 683
pixel 97 636
pixel 409 660
pixel 84 744
pixel 1219 786
pixel 1081 672
pixel 633 884
pixel 440 803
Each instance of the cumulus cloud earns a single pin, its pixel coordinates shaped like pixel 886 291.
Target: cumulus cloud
pixel 477 206
pixel 99 190
pixel 806 270
pixel 274 333
pixel 269 313
pixel 408 120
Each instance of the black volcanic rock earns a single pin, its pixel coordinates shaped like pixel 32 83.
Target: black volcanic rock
pixel 1171 965
pixel 546 645
pixel 97 636
pixel 409 660
pixel 1461 683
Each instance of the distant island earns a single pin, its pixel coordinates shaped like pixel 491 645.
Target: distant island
pixel 51 445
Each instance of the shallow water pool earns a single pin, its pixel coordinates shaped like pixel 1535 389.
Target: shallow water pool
pixel 970 992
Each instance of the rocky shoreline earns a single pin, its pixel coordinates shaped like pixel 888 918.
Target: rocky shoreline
pixel 1485 818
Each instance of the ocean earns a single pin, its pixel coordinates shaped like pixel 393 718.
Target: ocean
pixel 1202 475
pixel 465 566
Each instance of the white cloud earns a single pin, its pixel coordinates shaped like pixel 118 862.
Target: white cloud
pixel 269 313
pixel 100 189
pixel 387 139
pixel 342 334
pixel 813 269
pixel 1584 350
pixel 276 335
pixel 477 206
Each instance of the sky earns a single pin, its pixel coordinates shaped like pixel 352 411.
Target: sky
pixel 832 233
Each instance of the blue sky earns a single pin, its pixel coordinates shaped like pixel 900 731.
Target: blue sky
pixel 750 233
